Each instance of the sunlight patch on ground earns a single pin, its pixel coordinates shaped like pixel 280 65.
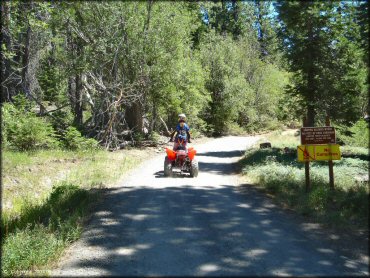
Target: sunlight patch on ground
pixel 208 268
pixel 243 206
pixel 236 263
pixel 187 229
pixel 266 222
pixel 324 250
pixel 208 210
pixel 125 251
pixel 255 253
pixel 351 264
pixel 109 222
pixel 137 217
pixel 280 272
pixel 143 246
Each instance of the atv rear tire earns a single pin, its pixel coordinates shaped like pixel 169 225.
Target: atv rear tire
pixel 194 169
pixel 167 167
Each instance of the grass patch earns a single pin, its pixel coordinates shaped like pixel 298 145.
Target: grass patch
pixel 41 231
pixel 46 196
pixel 29 177
pixel 277 171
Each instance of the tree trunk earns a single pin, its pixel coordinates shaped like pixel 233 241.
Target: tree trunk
pixel 78 115
pixel 25 63
pixel 223 19
pixel 154 118
pixel 134 117
pixel 311 93
pixel 71 91
pixel 134 112
pixel 7 88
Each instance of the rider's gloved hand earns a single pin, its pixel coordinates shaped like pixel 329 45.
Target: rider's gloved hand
pixel 189 141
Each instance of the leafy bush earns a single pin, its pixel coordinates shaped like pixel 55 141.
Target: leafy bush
pixel 155 137
pixel 23 130
pixel 360 134
pixel 73 140
pixel 234 129
pixel 357 135
pixel 61 120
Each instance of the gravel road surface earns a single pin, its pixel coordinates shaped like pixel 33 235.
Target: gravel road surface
pixel 210 225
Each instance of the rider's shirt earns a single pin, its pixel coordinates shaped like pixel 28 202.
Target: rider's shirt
pixel 181 131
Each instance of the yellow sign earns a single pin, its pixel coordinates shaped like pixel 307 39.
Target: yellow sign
pixel 318 152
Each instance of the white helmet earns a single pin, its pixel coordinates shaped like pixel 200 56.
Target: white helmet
pixel 182 117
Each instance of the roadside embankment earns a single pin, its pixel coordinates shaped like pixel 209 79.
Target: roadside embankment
pixel 46 197
pixel 277 171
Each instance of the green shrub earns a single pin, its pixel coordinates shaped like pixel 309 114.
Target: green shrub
pixel 234 129
pixel 23 130
pixel 73 140
pixel 138 136
pixel 154 136
pixel 61 120
pixel 360 134
pixel 357 135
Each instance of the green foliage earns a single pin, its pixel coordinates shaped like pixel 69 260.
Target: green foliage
pixel 67 203
pixel 41 231
pixel 360 134
pixel 23 130
pixel 61 120
pixel 218 62
pixel 325 58
pixel 280 174
pixel 27 249
pixel 73 140
pixel 356 136
pixel 243 88
pixel 154 136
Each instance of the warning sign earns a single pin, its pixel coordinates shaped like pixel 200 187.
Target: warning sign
pixel 317 135
pixel 318 152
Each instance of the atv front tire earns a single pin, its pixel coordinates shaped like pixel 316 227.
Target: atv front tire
pixel 167 167
pixel 194 169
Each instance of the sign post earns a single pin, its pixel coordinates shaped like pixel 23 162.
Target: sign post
pixel 307 163
pixel 331 170
pixel 318 143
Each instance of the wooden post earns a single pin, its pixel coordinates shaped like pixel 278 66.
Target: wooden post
pixel 331 170
pixel 306 164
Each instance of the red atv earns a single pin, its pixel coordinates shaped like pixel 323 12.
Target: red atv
pixel 182 159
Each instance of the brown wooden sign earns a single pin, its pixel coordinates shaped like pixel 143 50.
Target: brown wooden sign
pixel 317 135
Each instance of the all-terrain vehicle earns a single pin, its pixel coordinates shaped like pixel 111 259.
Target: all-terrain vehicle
pixel 182 160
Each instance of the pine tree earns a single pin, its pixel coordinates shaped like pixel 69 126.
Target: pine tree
pixel 321 44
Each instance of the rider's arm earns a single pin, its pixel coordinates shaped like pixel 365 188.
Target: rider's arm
pixel 172 134
pixel 188 134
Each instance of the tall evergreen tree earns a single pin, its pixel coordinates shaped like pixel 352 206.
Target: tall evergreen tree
pixel 321 44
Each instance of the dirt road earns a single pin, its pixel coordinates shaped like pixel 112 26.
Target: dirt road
pixel 210 225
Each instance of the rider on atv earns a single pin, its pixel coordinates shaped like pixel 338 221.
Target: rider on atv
pixel 182 133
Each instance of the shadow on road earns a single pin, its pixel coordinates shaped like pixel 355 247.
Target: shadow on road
pixel 204 231
pixel 236 153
